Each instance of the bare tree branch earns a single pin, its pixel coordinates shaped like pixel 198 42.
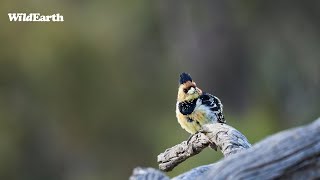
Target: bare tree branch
pixel 228 139
pixel 179 153
pixel 291 154
pixel 147 174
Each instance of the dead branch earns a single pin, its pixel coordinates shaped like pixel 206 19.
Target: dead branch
pixel 226 138
pixel 290 154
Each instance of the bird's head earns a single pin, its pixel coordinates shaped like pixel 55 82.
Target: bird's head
pixel 188 89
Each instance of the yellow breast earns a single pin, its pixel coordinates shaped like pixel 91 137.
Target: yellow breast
pixel 198 119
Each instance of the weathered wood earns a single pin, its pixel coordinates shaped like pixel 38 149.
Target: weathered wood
pixel 225 137
pixel 147 174
pixel 179 153
pixel 291 154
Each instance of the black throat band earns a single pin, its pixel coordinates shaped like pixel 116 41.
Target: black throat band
pixel 187 107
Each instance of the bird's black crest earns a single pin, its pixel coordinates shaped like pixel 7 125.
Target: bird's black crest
pixel 184 77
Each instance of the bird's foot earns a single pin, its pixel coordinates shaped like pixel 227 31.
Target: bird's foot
pixel 190 137
pixel 212 145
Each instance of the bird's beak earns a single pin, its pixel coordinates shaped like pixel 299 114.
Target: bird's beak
pixel 192 90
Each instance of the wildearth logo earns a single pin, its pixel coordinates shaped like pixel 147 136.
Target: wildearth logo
pixel 35 17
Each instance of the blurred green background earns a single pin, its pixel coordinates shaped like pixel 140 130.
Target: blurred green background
pixel 94 96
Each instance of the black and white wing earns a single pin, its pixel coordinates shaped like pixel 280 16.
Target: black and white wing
pixel 214 104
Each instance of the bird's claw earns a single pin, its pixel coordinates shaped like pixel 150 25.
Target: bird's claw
pixel 190 137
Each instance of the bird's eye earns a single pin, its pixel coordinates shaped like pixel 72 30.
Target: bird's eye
pixel 185 90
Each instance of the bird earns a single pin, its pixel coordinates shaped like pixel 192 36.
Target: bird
pixel 195 108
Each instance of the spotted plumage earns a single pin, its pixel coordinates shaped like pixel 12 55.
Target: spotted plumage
pixel 187 107
pixel 195 108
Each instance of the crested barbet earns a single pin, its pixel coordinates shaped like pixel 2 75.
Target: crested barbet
pixel 195 108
